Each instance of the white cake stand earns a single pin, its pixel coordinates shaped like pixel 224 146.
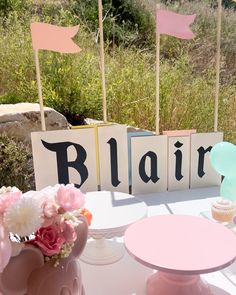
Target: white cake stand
pixel 112 213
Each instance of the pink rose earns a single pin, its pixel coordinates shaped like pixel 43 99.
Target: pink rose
pixel 49 239
pixel 69 232
pixel 69 197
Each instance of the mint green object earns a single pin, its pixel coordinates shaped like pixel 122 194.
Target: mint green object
pixel 223 160
pixel 228 189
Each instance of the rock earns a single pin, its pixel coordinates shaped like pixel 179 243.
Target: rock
pixel 20 119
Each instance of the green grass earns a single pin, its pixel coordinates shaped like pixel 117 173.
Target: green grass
pixel 16 164
pixel 72 82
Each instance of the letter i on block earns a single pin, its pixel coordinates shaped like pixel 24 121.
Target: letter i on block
pixel 178 158
pixel 178 163
pixel 65 156
pixel 202 173
pixel 149 164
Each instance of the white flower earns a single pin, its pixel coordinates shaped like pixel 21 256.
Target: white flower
pixel 8 189
pixel 23 217
pixel 45 195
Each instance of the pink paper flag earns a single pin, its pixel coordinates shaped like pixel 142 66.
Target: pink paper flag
pixel 54 38
pixel 174 24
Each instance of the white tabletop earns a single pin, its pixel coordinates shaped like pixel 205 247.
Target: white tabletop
pixel 128 277
pixel 113 212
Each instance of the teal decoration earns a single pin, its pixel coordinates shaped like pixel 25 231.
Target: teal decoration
pixel 228 189
pixel 223 160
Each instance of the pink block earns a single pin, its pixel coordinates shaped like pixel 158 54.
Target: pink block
pixel 172 133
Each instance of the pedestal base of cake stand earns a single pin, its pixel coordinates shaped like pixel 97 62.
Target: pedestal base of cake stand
pixel 102 252
pixel 162 283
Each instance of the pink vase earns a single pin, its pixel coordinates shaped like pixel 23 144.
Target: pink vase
pixel 27 274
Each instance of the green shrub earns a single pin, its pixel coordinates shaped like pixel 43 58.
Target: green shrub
pixel 126 22
pixel 72 83
pixel 7 6
pixel 16 166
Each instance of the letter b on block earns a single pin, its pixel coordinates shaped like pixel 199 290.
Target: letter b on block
pixel 65 156
pixel 63 164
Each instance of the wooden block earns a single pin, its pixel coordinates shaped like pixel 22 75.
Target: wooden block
pixel 186 132
pixel 149 164
pixel 113 158
pixel 130 135
pixel 65 156
pixel 202 174
pixel 178 163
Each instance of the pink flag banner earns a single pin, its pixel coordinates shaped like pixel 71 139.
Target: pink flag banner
pixel 54 38
pixel 174 24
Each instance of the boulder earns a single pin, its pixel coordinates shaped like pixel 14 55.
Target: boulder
pixel 20 119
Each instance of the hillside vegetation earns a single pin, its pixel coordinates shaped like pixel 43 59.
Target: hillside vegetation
pixel 71 83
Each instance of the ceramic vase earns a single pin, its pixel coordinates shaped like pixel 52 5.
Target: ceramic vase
pixel 28 274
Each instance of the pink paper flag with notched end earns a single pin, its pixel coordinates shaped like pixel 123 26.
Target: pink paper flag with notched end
pixel 174 24
pixel 54 38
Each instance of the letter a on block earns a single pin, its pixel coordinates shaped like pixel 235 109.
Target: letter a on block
pixel 149 164
pixel 65 156
pixel 202 173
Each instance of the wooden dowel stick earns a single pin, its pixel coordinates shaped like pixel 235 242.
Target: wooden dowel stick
pixel 217 85
pixel 157 78
pixel 40 96
pixel 102 63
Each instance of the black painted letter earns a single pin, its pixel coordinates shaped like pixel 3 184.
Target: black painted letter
pixel 201 158
pixel 60 148
pixel 153 177
pixel 114 162
pixel 178 162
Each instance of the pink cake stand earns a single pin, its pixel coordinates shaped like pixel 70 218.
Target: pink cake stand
pixel 181 248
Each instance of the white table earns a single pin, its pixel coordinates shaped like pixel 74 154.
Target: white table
pixel 114 278
pixel 112 213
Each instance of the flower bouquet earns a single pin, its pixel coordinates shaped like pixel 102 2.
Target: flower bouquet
pixel 47 222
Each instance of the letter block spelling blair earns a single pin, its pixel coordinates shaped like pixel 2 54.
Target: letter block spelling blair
pixel 97 158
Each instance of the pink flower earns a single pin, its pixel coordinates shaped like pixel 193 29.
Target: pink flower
pixel 69 232
pixel 5 247
pixel 49 239
pixel 8 198
pixel 56 219
pixel 50 212
pixel 69 197
pixel 50 209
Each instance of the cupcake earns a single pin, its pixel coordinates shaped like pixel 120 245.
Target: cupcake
pixel 223 210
